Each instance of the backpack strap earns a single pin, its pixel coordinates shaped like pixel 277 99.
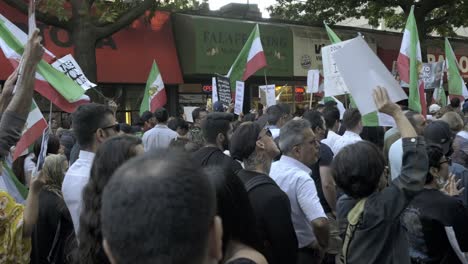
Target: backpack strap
pixel 354 218
pixel 254 182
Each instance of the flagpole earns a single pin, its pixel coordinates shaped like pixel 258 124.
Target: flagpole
pixel 264 74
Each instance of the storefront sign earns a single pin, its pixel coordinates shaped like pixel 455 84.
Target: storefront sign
pixel 210 45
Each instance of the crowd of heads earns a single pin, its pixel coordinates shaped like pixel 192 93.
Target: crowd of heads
pixel 140 205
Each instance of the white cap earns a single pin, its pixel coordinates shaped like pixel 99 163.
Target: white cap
pixel 434 108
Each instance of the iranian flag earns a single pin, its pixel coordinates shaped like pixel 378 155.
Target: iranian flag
pixel 155 93
pixel 51 83
pixel 331 34
pixel 250 59
pixel 409 63
pixel 34 127
pixel 456 84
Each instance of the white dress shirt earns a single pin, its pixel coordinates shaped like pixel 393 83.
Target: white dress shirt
pixel 331 139
pixel 395 158
pixel 159 136
pixel 294 179
pixel 348 138
pixel 74 182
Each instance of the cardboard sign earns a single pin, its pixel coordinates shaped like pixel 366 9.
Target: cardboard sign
pixel 70 67
pixel 239 104
pixel 268 96
pixel 334 84
pixel 313 78
pixel 214 91
pixel 223 85
pixel 362 71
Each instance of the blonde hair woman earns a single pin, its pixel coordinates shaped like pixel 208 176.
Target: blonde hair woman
pixel 54 227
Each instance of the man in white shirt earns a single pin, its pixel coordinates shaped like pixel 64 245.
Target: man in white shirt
pixel 160 136
pixel 300 149
pixel 332 121
pixel 92 125
pixel 353 124
pixel 278 115
pixel 395 153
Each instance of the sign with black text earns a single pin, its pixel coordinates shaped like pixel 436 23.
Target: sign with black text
pixel 223 87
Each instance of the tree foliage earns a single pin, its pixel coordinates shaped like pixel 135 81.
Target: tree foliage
pixel 441 16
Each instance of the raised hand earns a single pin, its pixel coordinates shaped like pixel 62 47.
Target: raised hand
pixel 451 188
pixel 33 50
pixel 8 88
pixel 383 103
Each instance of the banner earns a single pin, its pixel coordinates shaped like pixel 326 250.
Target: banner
pixel 432 74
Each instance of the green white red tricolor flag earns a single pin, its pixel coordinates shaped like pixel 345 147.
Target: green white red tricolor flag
pixel 250 59
pixel 35 126
pixel 456 84
pixel 51 83
pixel 409 63
pixel 155 93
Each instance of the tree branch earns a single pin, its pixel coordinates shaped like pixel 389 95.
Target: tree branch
pixel 44 18
pixel 124 20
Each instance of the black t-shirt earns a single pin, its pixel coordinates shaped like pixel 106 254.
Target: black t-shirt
pixel 213 156
pixel 425 220
pixel 326 158
pixel 272 211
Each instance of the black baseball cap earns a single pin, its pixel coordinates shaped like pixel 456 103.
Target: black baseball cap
pixel 244 140
pixel 439 133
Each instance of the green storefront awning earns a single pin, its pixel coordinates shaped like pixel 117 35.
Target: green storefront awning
pixel 209 45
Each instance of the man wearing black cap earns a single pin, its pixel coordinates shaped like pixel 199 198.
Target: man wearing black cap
pixel 439 133
pixel 148 121
pixel 256 148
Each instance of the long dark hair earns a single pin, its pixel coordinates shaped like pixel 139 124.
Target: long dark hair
pixel 110 155
pixel 234 208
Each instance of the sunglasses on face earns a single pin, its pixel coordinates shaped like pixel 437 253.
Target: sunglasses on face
pixel 267 133
pixel 447 160
pixel 115 127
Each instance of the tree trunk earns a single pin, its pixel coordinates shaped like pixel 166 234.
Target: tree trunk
pixel 84 41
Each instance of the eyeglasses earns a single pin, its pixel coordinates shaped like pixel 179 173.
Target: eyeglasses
pixel 115 127
pixel 267 133
pixel 447 160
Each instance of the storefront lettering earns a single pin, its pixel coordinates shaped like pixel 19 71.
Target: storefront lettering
pixel 318 48
pixel 224 38
pixel 61 37
pixel 462 61
pixel 239 39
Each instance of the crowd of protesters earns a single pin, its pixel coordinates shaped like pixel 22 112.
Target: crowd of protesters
pixel 278 187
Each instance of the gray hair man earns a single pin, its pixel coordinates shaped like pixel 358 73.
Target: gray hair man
pixel 300 149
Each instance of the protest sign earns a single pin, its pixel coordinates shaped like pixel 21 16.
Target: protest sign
pixel 239 103
pixel 268 94
pixel 70 67
pixel 362 71
pixel 188 113
pixel 214 91
pixel 432 74
pixel 334 84
pixel 313 78
pixel 223 87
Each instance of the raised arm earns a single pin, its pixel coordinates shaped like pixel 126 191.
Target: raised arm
pixel 14 118
pixel 415 163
